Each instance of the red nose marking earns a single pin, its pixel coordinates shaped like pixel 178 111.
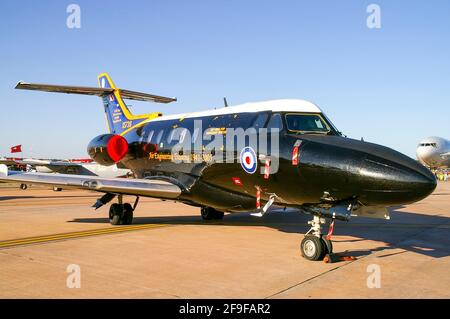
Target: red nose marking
pixel 247 160
pixel 117 148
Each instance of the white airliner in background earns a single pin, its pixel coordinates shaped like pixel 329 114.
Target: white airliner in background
pixel 434 152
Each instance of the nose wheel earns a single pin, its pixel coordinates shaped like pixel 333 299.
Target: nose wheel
pixel 315 245
pixel 312 248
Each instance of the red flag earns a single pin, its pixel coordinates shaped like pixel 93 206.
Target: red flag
pixel 16 149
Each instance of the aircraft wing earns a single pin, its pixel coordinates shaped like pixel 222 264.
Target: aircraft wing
pixel 51 164
pixel 23 161
pixel 141 187
pixel 56 164
pixel 32 162
pixel 445 155
pixel 7 161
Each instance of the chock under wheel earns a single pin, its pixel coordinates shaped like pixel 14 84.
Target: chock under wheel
pixel 332 258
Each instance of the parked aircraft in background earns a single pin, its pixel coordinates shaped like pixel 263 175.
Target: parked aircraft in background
pixel 76 167
pixel 434 152
pixel 318 171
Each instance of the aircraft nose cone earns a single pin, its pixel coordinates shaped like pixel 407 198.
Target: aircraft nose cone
pixel 393 178
pixel 375 175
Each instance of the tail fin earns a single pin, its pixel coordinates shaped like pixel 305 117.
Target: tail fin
pixel 118 116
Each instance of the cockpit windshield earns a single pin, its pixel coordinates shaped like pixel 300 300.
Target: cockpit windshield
pixel 307 123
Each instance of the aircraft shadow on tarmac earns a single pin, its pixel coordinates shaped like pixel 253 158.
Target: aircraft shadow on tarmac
pixel 423 234
pixel 15 197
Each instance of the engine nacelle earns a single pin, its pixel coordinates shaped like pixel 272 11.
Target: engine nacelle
pixel 108 149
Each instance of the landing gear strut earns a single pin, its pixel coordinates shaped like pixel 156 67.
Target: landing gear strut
pixel 209 213
pixel 315 245
pixel 122 214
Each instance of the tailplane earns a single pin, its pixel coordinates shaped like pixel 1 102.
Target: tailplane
pixel 118 116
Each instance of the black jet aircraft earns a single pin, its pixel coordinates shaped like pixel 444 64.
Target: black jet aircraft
pixel 302 162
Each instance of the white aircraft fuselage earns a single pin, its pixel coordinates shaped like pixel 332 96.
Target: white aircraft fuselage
pixel 434 152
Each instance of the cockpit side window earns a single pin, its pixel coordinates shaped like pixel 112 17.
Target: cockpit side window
pixel 304 122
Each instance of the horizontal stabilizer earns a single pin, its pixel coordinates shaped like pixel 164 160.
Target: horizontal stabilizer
pixel 126 94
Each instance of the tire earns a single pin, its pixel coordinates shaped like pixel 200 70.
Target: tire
pixel 327 244
pixel 209 213
pixel 127 214
pixel 57 189
pixel 23 186
pixel 312 248
pixel 115 214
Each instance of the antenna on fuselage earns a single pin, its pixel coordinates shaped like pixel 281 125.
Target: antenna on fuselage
pixel 225 102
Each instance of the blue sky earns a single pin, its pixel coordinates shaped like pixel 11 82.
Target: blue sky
pixel 389 85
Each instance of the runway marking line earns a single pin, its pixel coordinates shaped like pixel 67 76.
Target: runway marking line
pixel 76 234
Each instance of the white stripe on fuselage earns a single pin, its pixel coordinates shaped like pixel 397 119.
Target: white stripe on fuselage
pixel 287 105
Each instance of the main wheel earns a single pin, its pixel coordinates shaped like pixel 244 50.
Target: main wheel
pixel 23 186
pixel 127 214
pixel 116 212
pixel 312 248
pixel 57 189
pixel 209 213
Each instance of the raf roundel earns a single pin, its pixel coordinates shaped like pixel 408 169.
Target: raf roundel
pixel 248 160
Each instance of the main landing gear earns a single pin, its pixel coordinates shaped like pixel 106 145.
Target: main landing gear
pixel 315 245
pixel 209 213
pixel 122 214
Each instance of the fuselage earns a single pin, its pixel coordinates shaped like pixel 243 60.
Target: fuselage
pixel 434 152
pixel 327 166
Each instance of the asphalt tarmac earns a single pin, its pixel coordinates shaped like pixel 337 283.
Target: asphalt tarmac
pixel 54 245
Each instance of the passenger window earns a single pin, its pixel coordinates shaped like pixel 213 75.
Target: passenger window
pixel 171 134
pixel 195 135
pixel 275 122
pixel 150 135
pixel 243 120
pixel 159 137
pixel 260 120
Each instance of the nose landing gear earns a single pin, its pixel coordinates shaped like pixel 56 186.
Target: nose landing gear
pixel 315 245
